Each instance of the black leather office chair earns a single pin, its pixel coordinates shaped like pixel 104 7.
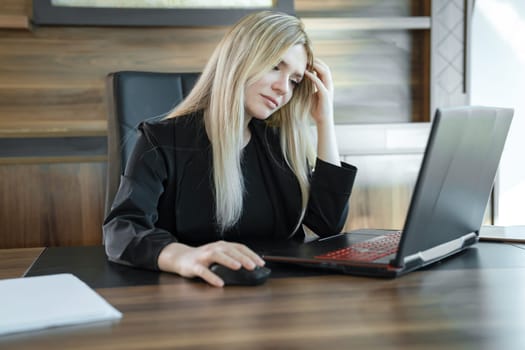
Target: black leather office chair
pixel 132 98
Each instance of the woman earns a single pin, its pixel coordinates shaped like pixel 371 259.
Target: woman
pixel 233 162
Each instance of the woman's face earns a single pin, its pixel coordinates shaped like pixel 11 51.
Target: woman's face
pixel 275 88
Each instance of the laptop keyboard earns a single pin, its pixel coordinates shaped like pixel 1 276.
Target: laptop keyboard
pixel 368 250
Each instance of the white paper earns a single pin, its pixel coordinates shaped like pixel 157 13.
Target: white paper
pixel 33 303
pixel 502 233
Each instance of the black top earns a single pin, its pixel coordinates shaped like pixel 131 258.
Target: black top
pixel 166 193
pixel 257 220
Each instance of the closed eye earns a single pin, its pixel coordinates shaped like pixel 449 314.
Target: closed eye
pixel 296 77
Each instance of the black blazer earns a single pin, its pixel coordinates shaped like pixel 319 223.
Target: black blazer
pixel 166 192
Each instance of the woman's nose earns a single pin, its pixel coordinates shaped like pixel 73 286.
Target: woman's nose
pixel 281 86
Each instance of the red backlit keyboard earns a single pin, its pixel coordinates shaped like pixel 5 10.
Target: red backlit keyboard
pixel 366 251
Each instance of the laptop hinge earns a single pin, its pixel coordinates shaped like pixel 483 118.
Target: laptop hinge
pixel 441 250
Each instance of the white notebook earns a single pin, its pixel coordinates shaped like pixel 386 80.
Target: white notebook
pixel 512 234
pixel 33 303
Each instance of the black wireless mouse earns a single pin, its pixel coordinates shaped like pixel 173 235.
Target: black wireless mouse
pixel 241 277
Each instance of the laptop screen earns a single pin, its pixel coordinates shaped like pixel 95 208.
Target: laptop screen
pixel 456 176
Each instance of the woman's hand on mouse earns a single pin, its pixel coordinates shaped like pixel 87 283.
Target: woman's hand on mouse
pixel 195 261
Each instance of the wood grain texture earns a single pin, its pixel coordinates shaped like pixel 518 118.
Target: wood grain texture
pixel 14 22
pixel 382 191
pixel 464 308
pixel 13 15
pixel 368 87
pixel 56 204
pixel 15 262
pixel 57 73
pixel 15 7
pixel 362 8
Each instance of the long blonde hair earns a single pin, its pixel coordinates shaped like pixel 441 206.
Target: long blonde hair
pixel 252 47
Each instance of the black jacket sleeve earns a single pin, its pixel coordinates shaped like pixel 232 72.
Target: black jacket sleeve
pixel 130 233
pixel 330 189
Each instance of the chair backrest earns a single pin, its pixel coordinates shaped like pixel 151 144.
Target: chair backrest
pixel 132 98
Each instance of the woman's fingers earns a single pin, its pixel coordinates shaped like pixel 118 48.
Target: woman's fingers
pixel 321 70
pixel 317 82
pixel 205 273
pixel 195 261
pixel 247 257
pixel 232 255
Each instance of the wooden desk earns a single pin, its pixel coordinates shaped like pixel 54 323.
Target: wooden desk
pixel 15 262
pixel 473 301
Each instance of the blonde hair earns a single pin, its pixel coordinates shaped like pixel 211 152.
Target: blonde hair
pixel 251 48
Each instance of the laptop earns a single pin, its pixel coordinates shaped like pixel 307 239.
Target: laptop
pixel 446 209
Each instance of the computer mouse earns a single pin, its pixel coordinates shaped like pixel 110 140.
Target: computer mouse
pixel 241 277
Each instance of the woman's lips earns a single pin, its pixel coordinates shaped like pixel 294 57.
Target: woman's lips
pixel 271 102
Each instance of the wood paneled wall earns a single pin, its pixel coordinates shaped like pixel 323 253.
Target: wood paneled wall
pixel 51 204
pixel 57 73
pixel 52 85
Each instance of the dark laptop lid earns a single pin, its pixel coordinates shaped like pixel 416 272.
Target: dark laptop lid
pixel 448 203
pixel 455 179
